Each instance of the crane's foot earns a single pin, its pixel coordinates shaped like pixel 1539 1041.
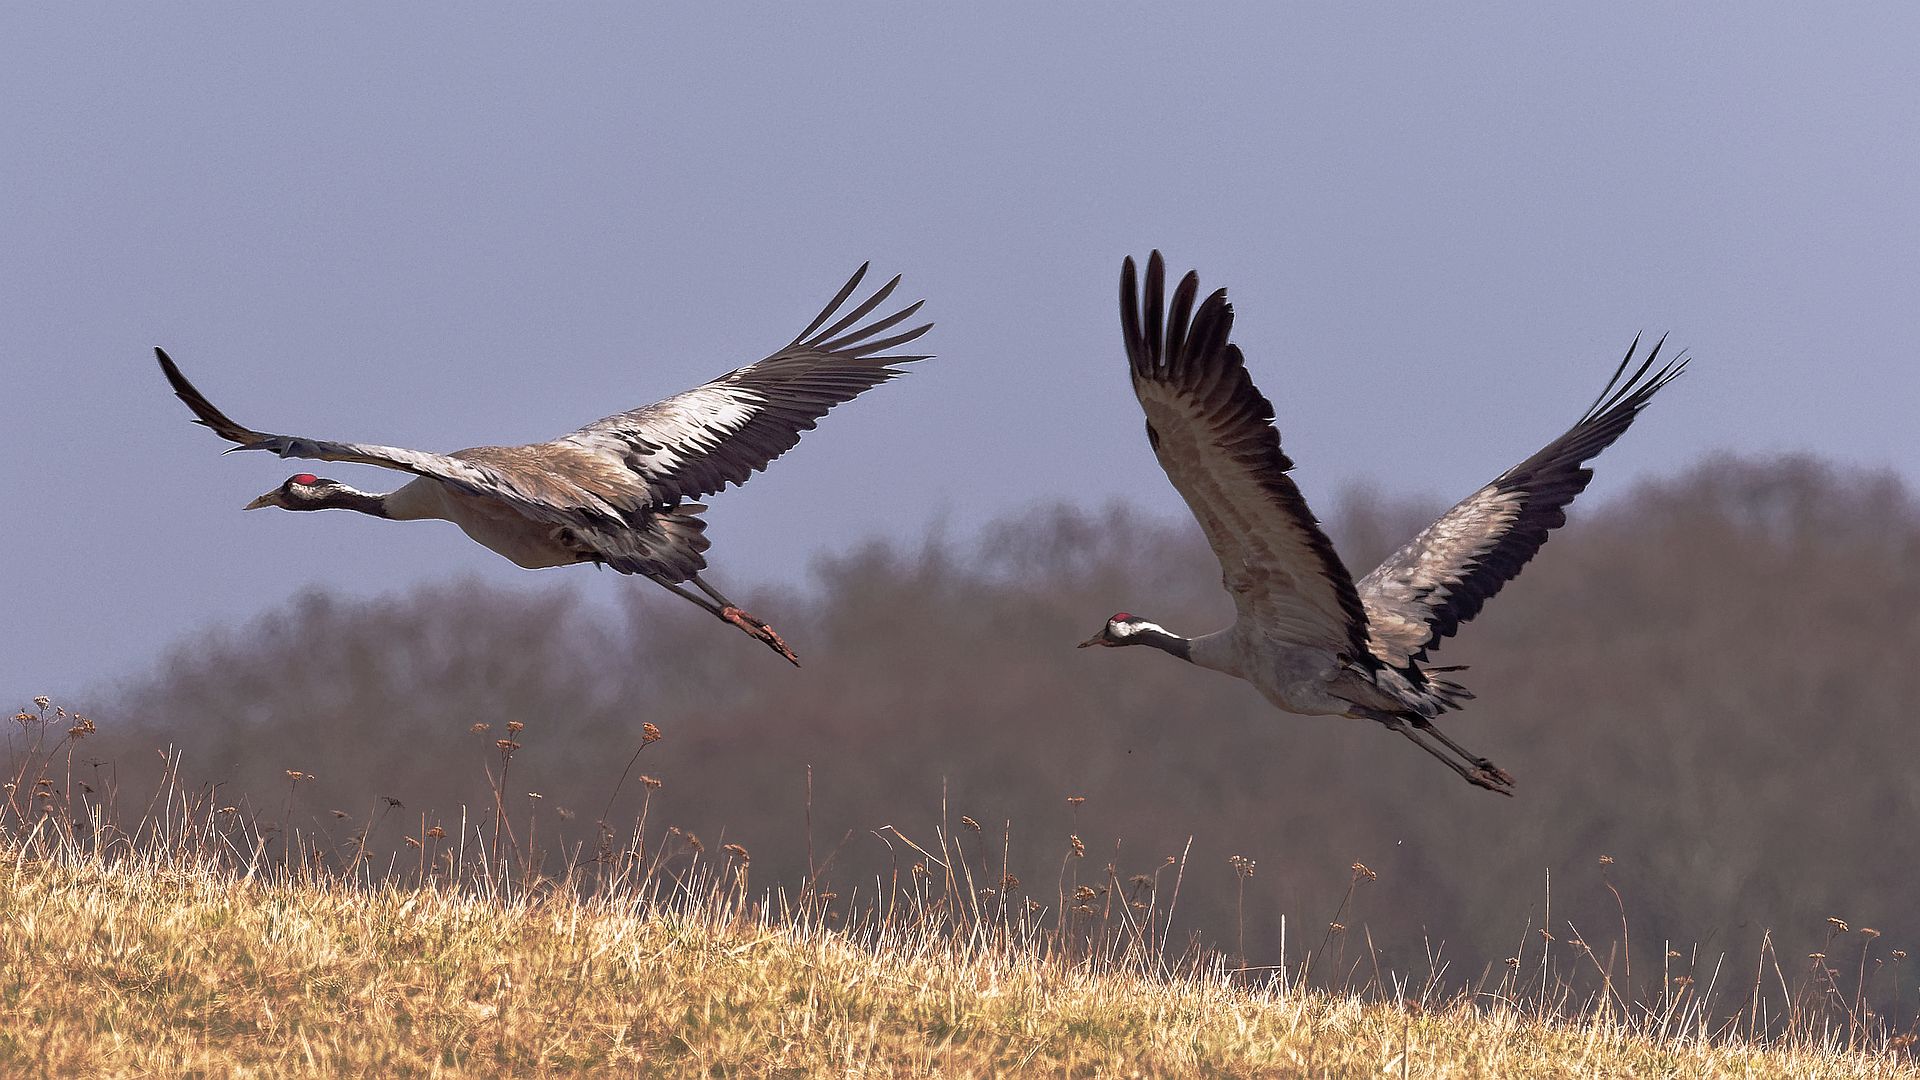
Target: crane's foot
pixel 1487 775
pixel 754 627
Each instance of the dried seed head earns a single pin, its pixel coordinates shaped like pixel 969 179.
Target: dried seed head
pixel 649 781
pixel 535 795
pixel 436 832
pixel 296 775
pixel 515 726
pixel 23 719
pixel 507 746
pixel 82 728
pixel 1009 883
pixel 1076 800
pixel 1513 961
pixel 1032 904
pixel 1899 954
pixel 411 842
pixel 1837 923
pixel 1360 871
pixel 229 809
pixel 1079 847
pixel 969 823
pixel 737 852
pixel 481 729
pixel 1606 860
pixel 1869 932
pixel 1083 894
pixel 43 701
pixel 649 733
pixel 565 814
pixel 694 843
pixel 1336 928
pixel 1242 866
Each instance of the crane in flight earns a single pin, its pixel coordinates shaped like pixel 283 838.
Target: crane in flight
pixel 618 492
pixel 1311 639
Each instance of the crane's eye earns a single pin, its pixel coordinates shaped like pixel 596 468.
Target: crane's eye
pixel 305 478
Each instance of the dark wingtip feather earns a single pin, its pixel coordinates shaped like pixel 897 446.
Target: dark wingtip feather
pixel 834 305
pixel 204 412
pixel 1155 303
pixel 1130 333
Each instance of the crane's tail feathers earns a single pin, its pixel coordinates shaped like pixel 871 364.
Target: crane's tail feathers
pixel 1450 693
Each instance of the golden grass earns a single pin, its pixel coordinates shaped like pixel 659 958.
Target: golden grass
pixel 152 966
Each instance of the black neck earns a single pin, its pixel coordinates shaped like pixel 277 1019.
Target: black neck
pixel 1165 642
pixel 363 502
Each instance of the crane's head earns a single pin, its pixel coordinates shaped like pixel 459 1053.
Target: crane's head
pixel 1122 629
pixel 304 491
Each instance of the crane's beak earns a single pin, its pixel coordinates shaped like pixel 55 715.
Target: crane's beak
pixel 271 498
pixel 1097 639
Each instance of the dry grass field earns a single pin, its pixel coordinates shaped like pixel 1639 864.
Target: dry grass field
pixel 165 965
pixel 175 936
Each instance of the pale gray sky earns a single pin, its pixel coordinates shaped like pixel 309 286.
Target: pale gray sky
pixel 440 226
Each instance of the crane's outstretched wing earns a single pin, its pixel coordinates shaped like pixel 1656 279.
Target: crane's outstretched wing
pixel 696 443
pixel 546 490
pixel 1440 579
pixel 1213 433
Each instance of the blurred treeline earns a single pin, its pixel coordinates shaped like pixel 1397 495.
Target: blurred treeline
pixel 1712 679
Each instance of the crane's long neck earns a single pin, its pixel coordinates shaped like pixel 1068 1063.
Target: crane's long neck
pixel 373 504
pixel 1218 651
pixel 1163 639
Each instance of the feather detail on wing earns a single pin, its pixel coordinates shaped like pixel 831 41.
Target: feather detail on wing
pixel 695 443
pixel 558 486
pixel 1423 592
pixel 421 463
pixel 1213 433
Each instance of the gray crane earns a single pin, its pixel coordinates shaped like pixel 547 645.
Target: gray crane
pixel 1307 636
pixel 616 492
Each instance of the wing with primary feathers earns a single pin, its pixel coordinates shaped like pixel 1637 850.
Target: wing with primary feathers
pixel 1440 579
pixel 439 466
pixel 1213 433
pixel 560 488
pixel 695 443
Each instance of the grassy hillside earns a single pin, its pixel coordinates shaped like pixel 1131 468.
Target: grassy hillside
pixel 149 966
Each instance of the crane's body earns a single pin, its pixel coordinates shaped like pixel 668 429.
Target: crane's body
pixel 618 492
pixel 1311 639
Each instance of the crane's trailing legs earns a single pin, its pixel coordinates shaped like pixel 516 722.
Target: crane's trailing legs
pixel 1476 770
pixel 727 611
